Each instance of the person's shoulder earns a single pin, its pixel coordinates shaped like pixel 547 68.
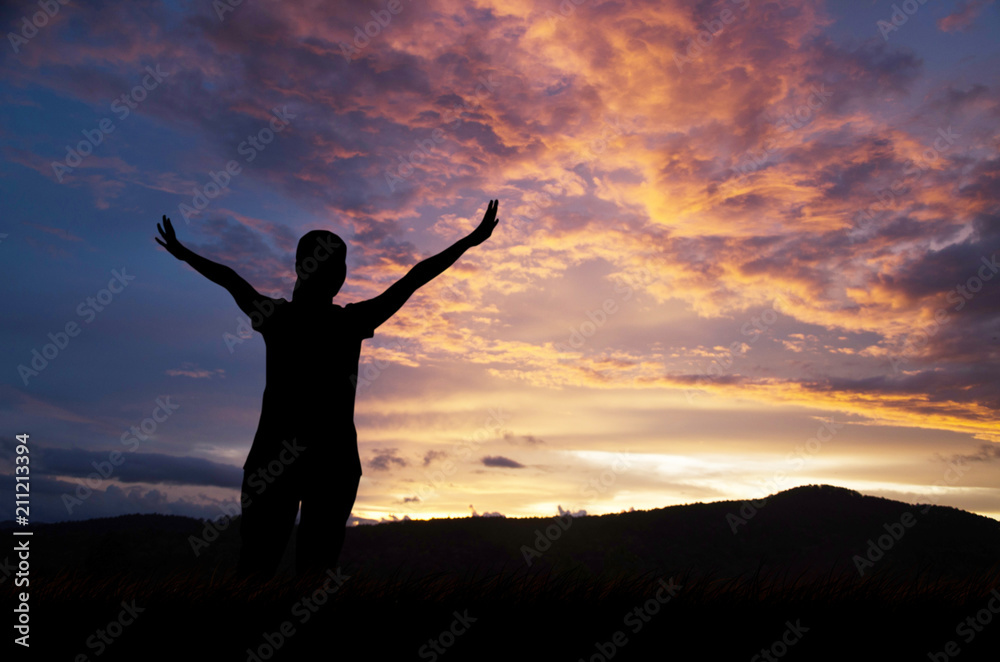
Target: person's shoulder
pixel 266 308
pixel 357 315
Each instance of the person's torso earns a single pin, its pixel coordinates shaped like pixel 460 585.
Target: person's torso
pixel 311 369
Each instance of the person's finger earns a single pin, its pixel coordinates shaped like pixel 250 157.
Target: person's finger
pixel 160 242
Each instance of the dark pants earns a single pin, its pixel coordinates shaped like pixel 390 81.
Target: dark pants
pixel 269 509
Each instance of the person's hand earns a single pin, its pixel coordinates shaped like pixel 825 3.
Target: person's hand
pixel 171 244
pixel 485 229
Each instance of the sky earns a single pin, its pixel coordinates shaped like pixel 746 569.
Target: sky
pixel 743 246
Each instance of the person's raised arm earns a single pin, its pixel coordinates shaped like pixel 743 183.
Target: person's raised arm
pixel 385 305
pixel 244 294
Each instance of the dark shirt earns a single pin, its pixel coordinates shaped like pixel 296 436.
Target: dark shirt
pixel 312 367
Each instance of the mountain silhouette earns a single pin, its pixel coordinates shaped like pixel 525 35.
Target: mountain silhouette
pixel 811 527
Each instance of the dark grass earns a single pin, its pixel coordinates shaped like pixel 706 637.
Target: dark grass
pixel 520 614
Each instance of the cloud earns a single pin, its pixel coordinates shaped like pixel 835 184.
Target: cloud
pixel 193 371
pixel 432 455
pixel 49 502
pixel 487 514
pixel 134 467
pixel 58 232
pixel 954 100
pixel 531 440
pixel 500 461
pixel 571 513
pixel 986 453
pixel 393 518
pixel 964 15
pixel 385 459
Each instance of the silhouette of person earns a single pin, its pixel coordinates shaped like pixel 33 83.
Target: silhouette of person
pixel 306 445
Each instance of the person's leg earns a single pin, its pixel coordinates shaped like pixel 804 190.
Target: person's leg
pixel 322 527
pixel 266 524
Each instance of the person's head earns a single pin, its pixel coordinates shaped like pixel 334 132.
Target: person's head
pixel 320 264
